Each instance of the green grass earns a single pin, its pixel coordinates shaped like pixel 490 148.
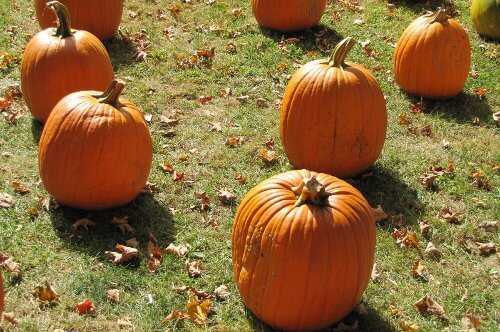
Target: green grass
pixel 48 249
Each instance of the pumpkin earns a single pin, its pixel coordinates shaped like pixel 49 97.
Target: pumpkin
pixel 2 296
pixel 303 247
pixel 433 56
pixel 95 150
pixel 101 18
pixel 486 17
pixel 333 116
pixel 58 61
pixel 288 15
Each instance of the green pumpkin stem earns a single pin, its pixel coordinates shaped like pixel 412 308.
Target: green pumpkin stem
pixel 440 16
pixel 311 191
pixel 64 20
pixel 340 52
pixel 111 95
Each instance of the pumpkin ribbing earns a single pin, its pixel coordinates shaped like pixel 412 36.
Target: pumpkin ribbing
pixel 303 249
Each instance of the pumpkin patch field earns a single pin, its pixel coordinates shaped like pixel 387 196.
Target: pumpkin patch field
pixel 249 165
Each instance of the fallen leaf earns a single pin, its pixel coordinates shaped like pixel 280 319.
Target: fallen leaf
pixel 425 228
pixel 375 276
pixel 394 311
pixel 234 141
pixel 113 295
pixel 123 225
pixel 427 306
pixel 198 310
pixel 447 214
pixel 427 181
pixel 406 238
pixel 408 326
pixel 489 226
pixel 123 254
pixel 86 307
pixel 6 200
pixel 404 119
pixel 178 176
pixel 193 268
pixel 268 156
pixel 216 126
pixel 19 187
pixel 125 322
pixel 204 99
pixel 226 197
pixel 10 265
pixel 179 250
pixel 486 249
pixel 240 178
pixel 9 317
pixel 470 323
pixel 46 294
pixel 480 181
pixel 204 200
pixel 418 270
pixel 199 293
pixel 155 254
pixel 480 92
pixel 84 223
pixel 432 252
pixel 379 213
pixel 261 103
pixel 176 314
pixel 222 292
pixel 496 117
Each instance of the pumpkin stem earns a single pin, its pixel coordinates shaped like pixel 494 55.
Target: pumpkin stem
pixel 311 191
pixel 337 59
pixel 111 95
pixel 64 20
pixel 440 16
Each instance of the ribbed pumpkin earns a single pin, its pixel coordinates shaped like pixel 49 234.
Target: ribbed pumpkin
pixel 100 17
pixel 303 249
pixel 95 150
pixel 288 15
pixel 59 61
pixel 333 116
pixel 433 56
pixel 486 17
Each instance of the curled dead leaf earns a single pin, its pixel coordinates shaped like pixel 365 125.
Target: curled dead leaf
pixel 408 326
pixel 10 265
pixel 83 223
pixel 46 294
pixel 419 271
pixel 486 249
pixel 9 317
pixel 19 187
pixel 123 254
pixel 193 268
pixel 226 197
pixel 113 295
pixel 432 252
pixel 86 307
pixel 222 292
pixel 447 214
pixel 471 323
pixel 179 250
pixel 267 156
pixel 155 254
pixel 427 306
pixel 6 201
pixel 123 225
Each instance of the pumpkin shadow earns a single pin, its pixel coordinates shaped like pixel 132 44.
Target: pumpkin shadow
pixel 307 39
pixel 121 51
pixel 382 186
pixel 371 321
pixel 145 214
pixel 36 129
pixel 464 108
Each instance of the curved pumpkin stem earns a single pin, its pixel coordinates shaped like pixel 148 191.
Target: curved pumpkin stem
pixel 339 54
pixel 311 191
pixel 64 20
pixel 111 95
pixel 440 16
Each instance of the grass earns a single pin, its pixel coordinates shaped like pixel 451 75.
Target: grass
pixel 47 249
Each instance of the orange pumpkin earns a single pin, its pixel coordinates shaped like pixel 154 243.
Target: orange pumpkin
pixel 433 56
pixel 303 249
pixel 333 116
pixel 288 15
pixel 100 17
pixel 59 61
pixel 95 150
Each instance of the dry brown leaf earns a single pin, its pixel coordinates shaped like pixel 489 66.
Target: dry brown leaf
pixel 178 176
pixel 432 252
pixel 471 323
pixel 199 293
pixel 113 295
pixel 379 213
pixel 404 119
pixel 447 214
pixel 481 181
pixel 179 250
pixel 406 238
pixel 394 311
pixel 268 156
pixel 167 167
pixel 418 270
pixel 86 307
pixel 261 103
pixel 486 249
pixel 9 317
pixel 123 254
pixel 46 294
pixel 480 92
pixel 84 223
pixel 6 200
pixel 222 292
pixel 216 126
pixel 375 276
pixel 427 306
pixel 155 254
pixel 428 181
pixel 175 314
pixel 204 99
pixel 10 265
pixel 234 141
pixel 240 178
pixel 204 200
pixel 123 225
pixel 489 226
pixel 226 197
pixel 19 187
pixel 425 228
pixel 194 268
